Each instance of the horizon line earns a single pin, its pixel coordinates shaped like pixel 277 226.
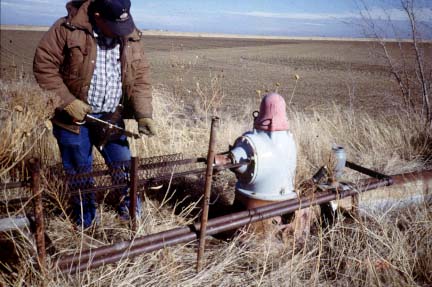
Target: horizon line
pixel 167 33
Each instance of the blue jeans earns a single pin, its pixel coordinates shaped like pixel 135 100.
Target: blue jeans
pixel 76 154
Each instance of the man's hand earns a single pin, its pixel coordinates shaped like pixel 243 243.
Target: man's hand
pixel 77 109
pixel 146 126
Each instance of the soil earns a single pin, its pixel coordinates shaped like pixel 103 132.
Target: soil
pixel 239 71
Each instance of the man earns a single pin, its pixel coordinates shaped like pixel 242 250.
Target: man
pixel 93 60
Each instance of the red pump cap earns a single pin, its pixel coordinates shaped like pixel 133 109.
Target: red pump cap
pixel 272 115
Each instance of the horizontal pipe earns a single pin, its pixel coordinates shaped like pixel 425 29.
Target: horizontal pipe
pixel 13 185
pixel 110 254
pixel 225 223
pixel 412 176
pixel 130 253
pixel 15 201
pixel 125 245
pixel 365 170
pixel 121 246
pixel 303 203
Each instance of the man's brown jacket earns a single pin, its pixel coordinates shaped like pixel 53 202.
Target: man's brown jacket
pixel 65 60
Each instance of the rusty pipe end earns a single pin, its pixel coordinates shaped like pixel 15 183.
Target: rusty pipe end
pixel 222 159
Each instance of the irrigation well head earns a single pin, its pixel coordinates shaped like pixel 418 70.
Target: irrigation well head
pixel 271 152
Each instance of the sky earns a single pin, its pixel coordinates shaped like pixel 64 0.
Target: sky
pixel 296 18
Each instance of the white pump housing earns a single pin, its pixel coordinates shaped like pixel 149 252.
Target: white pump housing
pixel 270 174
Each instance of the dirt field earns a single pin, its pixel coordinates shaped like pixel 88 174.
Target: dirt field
pixel 347 73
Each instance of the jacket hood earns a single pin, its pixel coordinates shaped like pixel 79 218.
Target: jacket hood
pixel 78 17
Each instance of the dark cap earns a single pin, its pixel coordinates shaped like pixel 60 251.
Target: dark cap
pixel 116 14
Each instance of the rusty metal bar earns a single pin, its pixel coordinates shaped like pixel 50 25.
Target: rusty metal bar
pixel 165 235
pixel 13 185
pixel 130 253
pixel 136 249
pixel 206 200
pixel 365 170
pixel 149 243
pixel 174 162
pixel 315 199
pixel 355 199
pixel 110 250
pixel 38 213
pixel 118 247
pixel 412 176
pixel 181 235
pixel 14 201
pixel 133 192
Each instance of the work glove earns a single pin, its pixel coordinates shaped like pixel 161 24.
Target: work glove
pixel 77 109
pixel 146 126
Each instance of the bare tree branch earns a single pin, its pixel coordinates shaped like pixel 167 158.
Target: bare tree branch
pixel 409 68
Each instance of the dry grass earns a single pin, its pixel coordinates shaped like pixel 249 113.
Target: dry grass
pixel 24 112
pixel 388 248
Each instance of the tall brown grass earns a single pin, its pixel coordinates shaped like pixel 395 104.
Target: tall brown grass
pixel 24 114
pixel 390 247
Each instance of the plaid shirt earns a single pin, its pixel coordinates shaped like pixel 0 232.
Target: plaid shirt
pixel 106 87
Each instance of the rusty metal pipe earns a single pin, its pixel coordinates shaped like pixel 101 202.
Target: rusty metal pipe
pixel 133 192
pixel 365 170
pixel 38 213
pixel 130 253
pixel 227 222
pixel 251 212
pixel 132 249
pixel 12 185
pixel 206 200
pixel 233 221
pixel 255 215
pixel 165 235
pixel 302 203
pixel 412 176
pixel 113 253
pixel 122 246
pixel 15 201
